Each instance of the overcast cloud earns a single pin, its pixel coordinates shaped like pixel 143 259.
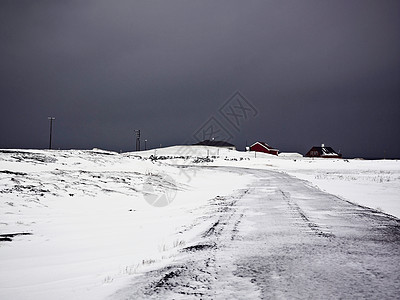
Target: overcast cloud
pixel 316 72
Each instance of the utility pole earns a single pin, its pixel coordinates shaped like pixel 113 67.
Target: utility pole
pixel 137 131
pixel 51 129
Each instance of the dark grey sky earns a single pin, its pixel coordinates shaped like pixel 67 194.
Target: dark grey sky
pixel 315 71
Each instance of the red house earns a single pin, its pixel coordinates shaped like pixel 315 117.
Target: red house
pixel 263 147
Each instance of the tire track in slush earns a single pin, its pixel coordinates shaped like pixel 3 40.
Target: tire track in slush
pixel 195 271
pixel 282 238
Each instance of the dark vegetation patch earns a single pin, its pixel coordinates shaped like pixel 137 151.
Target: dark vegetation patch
pixel 103 152
pixel 163 157
pixel 199 247
pixel 26 189
pixel 202 160
pixel 41 158
pixel 13 173
pixel 211 230
pixel 166 282
pixel 189 280
pixel 8 237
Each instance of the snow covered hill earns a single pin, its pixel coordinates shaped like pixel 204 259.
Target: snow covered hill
pixel 80 224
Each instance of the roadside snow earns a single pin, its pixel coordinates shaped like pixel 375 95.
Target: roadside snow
pixel 371 183
pixel 91 227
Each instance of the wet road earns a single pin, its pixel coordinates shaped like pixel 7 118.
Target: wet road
pixel 282 239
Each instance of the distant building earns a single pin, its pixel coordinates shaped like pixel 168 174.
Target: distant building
pixel 263 147
pixel 215 143
pixel 322 151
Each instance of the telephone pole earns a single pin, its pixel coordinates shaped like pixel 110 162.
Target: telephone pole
pixel 137 131
pixel 51 129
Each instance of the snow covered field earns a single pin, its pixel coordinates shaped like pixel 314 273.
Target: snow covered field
pixel 82 224
pixel 371 183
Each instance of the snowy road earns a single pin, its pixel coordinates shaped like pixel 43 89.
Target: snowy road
pixel 281 239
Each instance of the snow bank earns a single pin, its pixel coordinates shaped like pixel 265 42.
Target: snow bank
pixel 90 224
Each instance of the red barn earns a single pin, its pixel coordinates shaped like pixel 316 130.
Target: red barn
pixel 263 147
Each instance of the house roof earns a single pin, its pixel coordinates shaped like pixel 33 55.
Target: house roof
pixel 265 145
pixel 214 143
pixel 325 151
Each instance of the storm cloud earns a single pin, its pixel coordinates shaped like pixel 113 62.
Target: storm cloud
pixel 315 71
